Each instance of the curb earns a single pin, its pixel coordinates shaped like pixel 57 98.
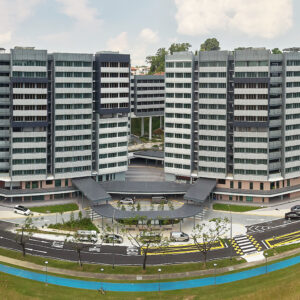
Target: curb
pixel 135 277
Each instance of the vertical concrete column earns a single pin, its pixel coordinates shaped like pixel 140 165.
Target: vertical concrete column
pixel 160 122
pixel 143 128
pixel 150 128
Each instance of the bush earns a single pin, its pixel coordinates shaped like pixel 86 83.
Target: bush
pixel 83 224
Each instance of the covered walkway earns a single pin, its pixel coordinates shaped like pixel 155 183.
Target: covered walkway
pixel 185 211
pixel 200 190
pixel 92 190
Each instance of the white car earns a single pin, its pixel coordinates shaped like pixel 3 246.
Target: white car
pixel 19 209
pixel 126 201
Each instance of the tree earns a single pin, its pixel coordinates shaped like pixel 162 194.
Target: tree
pixel 76 244
pixel 157 61
pixel 210 44
pixel 179 47
pixel 207 236
pixel 276 51
pixel 147 239
pixel 23 235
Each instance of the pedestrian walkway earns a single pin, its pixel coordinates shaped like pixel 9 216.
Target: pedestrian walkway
pixel 245 244
pixel 153 286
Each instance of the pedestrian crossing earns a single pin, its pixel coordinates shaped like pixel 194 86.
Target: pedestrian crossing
pixel 245 244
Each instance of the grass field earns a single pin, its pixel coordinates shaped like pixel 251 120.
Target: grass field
pixel 55 208
pixel 283 284
pixel 233 207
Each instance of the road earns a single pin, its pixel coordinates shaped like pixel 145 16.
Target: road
pixel 117 254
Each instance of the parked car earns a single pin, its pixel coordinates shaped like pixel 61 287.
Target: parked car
pixel 295 208
pixel 126 200
pixel 132 250
pixel 178 236
pixel 87 235
pixel 112 238
pixel 292 215
pixel 147 236
pixel 19 209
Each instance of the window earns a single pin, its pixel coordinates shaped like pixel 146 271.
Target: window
pixel 231 184
pixel 239 185
pixel 261 186
pixel 251 185
pixel 57 183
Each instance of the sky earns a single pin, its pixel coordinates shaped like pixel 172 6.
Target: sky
pixel 140 27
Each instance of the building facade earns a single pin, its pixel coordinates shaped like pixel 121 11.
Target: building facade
pixel 233 116
pixel 147 99
pixel 63 116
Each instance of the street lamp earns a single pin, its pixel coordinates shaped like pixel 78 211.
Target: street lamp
pixel 159 270
pixel 102 279
pixel 46 279
pixel 266 256
pixel 215 265
pixel 230 231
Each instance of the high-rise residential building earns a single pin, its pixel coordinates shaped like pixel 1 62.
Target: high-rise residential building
pixel 147 98
pixel 62 116
pixel 233 116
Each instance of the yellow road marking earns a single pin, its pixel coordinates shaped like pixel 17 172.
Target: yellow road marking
pixel 178 252
pixel 289 239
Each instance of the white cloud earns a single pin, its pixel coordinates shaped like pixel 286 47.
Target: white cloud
pixel 80 11
pixel 256 18
pixel 119 43
pixel 149 36
pixel 12 14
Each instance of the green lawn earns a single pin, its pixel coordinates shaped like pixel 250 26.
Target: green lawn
pixel 281 249
pixel 55 208
pixel 83 224
pixel 283 284
pixel 233 207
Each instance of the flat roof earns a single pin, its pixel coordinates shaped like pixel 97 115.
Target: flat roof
pixel 151 154
pixel 200 190
pixel 91 189
pixel 145 187
pixel 185 211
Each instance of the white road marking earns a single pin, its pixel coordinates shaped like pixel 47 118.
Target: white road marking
pixel 40 241
pixel 29 249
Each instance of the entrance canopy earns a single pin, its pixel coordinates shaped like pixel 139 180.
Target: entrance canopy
pixel 91 189
pixel 200 190
pixel 185 211
pixel 145 187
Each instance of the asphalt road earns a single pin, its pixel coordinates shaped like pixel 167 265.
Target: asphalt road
pixel 117 254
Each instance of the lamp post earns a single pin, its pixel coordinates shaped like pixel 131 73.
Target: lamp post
pixel 46 279
pixel 230 231
pixel 159 270
pixel 266 256
pixel 102 279
pixel 215 273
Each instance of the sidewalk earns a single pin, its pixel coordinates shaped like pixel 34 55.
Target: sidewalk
pixel 132 277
